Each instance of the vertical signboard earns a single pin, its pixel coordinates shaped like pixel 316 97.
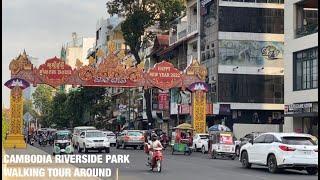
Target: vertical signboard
pixel 199 111
pixel 199 106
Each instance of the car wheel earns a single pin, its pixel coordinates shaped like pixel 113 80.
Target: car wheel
pixel 195 148
pixel 245 160
pixel 203 150
pixel 117 146
pixel 79 149
pixel 85 149
pixel 99 150
pixel 134 147
pixel 312 170
pixel 107 150
pixel 141 147
pixel 238 151
pixel 272 164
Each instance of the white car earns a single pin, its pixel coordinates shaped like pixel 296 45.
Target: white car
pixel 111 136
pixel 93 140
pixel 281 151
pixel 76 134
pixel 200 141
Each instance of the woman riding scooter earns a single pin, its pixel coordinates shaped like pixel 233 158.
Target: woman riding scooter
pixel 155 145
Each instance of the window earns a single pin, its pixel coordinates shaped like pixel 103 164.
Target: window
pixel 269 138
pixel 298 141
pixel 256 20
pixel 305 73
pixel 244 88
pixel 260 139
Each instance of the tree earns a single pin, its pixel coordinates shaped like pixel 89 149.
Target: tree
pixel 42 98
pixel 142 14
pixel 59 114
pixel 139 16
pixel 28 107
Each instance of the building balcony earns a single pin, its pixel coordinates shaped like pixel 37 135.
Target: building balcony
pixel 306 30
pixel 192 28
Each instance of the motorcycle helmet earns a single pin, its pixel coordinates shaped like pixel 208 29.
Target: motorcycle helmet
pixel 154 137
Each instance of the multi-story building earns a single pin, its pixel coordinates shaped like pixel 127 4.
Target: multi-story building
pixel 77 49
pixel 241 44
pixel 242 47
pixel 301 66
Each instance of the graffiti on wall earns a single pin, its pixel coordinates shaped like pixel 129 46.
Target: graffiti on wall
pixel 251 53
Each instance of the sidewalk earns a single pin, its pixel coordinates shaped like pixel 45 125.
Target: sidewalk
pixel 30 150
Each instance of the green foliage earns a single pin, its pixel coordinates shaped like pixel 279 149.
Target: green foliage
pixel 42 98
pixel 79 106
pixel 142 14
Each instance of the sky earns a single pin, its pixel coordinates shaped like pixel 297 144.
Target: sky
pixel 42 26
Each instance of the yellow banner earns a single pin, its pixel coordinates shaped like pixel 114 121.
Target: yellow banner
pixel 199 107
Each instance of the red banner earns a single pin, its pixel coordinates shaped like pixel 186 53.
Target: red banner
pixel 164 75
pixel 209 109
pixel 184 109
pixel 54 72
pixel 163 99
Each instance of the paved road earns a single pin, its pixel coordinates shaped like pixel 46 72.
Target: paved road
pixel 196 166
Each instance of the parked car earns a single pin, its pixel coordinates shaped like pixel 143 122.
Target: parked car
pixel 93 140
pixel 76 134
pixel 200 141
pixel 244 140
pixel 281 151
pixel 130 138
pixel 111 136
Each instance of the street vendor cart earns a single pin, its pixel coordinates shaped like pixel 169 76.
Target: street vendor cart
pixel 183 139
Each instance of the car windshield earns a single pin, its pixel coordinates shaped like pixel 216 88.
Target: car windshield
pixel 62 136
pixel 134 133
pixel 95 134
pixel 298 141
pixel 204 136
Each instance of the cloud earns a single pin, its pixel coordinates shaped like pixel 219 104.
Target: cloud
pixel 41 27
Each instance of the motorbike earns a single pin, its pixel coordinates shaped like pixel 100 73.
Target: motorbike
pixel 42 141
pixel 164 141
pixel 32 140
pixel 157 157
pixel 51 140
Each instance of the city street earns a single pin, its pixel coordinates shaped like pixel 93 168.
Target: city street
pixel 196 166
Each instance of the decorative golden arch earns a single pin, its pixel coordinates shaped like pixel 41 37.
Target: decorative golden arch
pixel 115 70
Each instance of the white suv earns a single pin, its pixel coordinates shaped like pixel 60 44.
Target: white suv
pixel 281 151
pixel 201 141
pixel 93 140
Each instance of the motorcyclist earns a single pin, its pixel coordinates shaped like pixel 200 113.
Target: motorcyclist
pixel 155 144
pixel 164 138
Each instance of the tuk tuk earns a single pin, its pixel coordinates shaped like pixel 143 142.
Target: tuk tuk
pixel 62 142
pixel 183 139
pixel 221 144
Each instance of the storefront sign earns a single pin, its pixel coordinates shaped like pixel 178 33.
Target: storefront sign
pixel 54 72
pixel 199 111
pixel 224 109
pixel 184 109
pixel 164 75
pixel 163 99
pixel 209 109
pixel 298 108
